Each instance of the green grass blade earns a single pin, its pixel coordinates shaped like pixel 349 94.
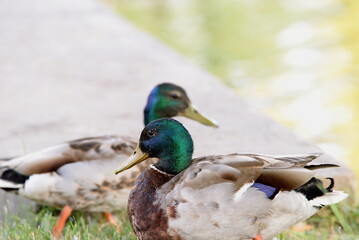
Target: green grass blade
pixel 341 218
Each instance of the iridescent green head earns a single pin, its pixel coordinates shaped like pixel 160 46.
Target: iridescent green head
pixel 165 139
pixel 169 100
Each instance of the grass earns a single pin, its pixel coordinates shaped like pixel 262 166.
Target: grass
pixel 337 222
pixel 80 226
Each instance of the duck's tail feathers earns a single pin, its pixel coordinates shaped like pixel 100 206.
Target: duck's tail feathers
pixel 11 180
pixel 10 186
pixel 318 195
pixel 328 198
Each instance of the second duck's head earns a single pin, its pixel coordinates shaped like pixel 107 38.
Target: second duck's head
pixel 170 100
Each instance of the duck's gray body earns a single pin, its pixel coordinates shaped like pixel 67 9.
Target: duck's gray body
pixel 215 198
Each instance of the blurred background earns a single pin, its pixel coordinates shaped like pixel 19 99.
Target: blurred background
pixel 64 67
pixel 295 60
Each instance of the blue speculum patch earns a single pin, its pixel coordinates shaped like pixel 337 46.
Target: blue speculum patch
pixel 268 190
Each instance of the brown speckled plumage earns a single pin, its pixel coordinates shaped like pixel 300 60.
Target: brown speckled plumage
pixel 85 146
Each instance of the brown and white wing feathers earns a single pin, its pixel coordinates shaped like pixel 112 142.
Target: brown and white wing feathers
pixel 242 168
pixel 216 192
pixel 211 170
pixel 86 149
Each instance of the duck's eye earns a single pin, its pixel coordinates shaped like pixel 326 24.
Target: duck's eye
pixel 175 95
pixel 151 133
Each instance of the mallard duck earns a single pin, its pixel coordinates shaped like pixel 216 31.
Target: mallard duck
pixel 234 196
pixel 78 175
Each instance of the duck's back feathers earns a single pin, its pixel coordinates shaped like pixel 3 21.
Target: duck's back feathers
pixel 282 172
pixel 86 149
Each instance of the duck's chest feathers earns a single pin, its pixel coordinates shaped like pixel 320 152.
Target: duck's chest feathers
pixel 148 219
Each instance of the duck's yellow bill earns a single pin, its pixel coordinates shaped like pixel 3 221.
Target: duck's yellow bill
pixel 192 113
pixel 137 157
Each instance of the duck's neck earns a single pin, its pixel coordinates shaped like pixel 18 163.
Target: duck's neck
pixel 149 180
pixel 174 165
pixel 150 114
pixel 144 207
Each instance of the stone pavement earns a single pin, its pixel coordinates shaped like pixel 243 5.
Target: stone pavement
pixel 72 69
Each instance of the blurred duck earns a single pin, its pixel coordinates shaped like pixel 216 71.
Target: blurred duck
pixel 78 175
pixel 234 196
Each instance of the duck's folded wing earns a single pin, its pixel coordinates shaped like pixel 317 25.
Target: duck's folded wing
pixel 219 175
pixel 288 172
pixel 224 193
pixel 86 149
pixel 282 172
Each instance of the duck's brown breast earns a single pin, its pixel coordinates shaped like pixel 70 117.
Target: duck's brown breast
pixel 148 220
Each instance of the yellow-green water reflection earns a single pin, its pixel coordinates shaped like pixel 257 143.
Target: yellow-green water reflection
pixel 297 60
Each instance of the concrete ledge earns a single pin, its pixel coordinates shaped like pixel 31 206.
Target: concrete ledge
pixel 72 69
